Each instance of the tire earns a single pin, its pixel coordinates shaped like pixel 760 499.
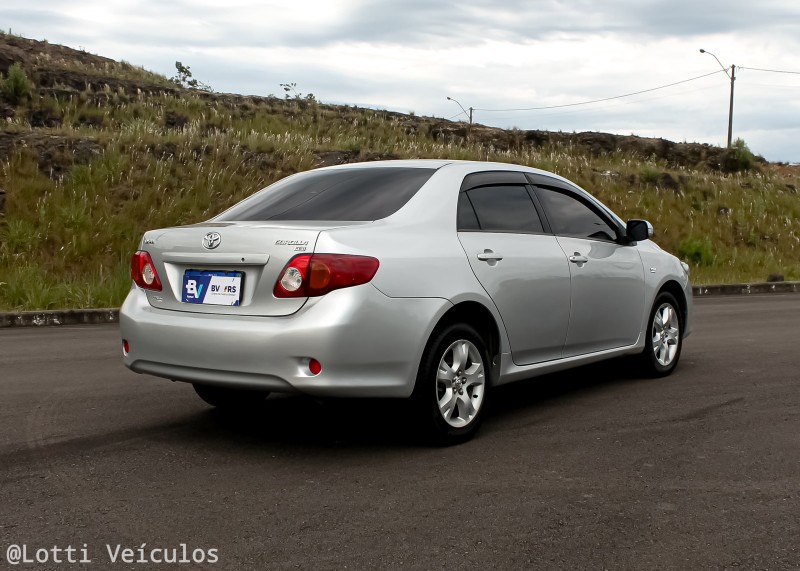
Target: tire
pixel 664 338
pixel 228 398
pixel 450 393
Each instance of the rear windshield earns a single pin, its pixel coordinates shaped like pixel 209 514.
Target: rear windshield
pixel 357 194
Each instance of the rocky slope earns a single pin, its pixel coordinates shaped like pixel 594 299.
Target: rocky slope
pixel 61 71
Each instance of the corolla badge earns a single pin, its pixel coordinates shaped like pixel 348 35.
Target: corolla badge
pixel 211 240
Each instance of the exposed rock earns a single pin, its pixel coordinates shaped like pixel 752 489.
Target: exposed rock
pixel 447 131
pixel 409 127
pixel 27 51
pixel 666 180
pixel 9 55
pixel 330 158
pixel 174 120
pixel 368 157
pixel 44 118
pixel 55 154
pixel 90 119
pixel 264 161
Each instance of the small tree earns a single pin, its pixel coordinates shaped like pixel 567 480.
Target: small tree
pixel 291 92
pixel 16 86
pixel 184 78
pixel 738 158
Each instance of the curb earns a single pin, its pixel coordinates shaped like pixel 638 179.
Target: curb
pixel 746 289
pixel 59 317
pixel 111 315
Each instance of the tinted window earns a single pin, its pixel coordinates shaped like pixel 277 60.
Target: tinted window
pixel 347 194
pixel 496 178
pixel 467 220
pixel 505 209
pixel 569 216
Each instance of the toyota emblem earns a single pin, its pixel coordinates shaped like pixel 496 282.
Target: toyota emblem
pixel 211 240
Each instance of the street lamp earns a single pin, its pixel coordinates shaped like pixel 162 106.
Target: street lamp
pixel 732 76
pixel 462 108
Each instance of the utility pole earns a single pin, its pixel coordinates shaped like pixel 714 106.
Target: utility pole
pixel 732 77
pixel 730 109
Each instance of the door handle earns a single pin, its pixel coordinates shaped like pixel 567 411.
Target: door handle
pixel 489 256
pixel 577 258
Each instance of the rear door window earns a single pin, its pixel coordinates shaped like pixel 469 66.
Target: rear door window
pixel 500 208
pixel 356 194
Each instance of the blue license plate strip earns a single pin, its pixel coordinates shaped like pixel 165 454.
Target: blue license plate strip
pixel 212 287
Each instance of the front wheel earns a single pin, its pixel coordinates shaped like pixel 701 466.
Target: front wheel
pixel 227 398
pixel 665 336
pixel 451 387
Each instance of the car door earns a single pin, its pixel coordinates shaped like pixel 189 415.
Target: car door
pixel 607 276
pixel 518 262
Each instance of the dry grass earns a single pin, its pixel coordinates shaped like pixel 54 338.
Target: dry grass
pixel 165 160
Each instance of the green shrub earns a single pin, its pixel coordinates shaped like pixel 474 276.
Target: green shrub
pixel 738 157
pixel 649 175
pixel 16 86
pixel 697 252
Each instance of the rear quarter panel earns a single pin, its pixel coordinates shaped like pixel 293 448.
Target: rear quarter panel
pixel 418 248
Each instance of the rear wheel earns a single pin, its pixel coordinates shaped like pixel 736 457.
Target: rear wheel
pixel 228 398
pixel 664 340
pixel 452 382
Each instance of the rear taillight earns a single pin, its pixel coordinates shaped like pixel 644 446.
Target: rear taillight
pixel 143 272
pixel 310 275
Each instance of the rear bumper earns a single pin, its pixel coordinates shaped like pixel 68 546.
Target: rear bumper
pixel 369 344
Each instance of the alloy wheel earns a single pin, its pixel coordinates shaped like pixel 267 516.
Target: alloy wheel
pixel 460 383
pixel 665 334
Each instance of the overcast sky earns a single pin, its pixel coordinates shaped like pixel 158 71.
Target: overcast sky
pixel 410 55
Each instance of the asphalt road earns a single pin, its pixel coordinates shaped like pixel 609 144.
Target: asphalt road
pixel 593 469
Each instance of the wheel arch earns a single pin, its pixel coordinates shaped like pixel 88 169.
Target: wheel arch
pixel 674 288
pixel 480 317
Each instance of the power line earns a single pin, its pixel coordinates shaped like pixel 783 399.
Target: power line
pixel 771 70
pixel 607 98
pixel 621 103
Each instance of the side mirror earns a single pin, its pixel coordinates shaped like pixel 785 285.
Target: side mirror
pixel 636 230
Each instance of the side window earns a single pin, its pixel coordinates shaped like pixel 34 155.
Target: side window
pixel 467 219
pixel 502 208
pixel 569 216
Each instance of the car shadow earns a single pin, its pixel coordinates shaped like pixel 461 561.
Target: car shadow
pixel 552 386
pixel 305 421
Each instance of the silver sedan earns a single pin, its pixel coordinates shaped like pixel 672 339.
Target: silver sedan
pixel 434 281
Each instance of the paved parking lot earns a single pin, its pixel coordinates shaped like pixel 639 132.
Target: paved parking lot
pixel 594 468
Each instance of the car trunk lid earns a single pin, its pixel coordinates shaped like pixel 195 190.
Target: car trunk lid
pixel 243 258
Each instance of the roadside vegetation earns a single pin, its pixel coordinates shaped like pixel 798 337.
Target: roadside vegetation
pixel 87 170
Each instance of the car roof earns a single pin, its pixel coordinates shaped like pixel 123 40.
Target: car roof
pixel 466 166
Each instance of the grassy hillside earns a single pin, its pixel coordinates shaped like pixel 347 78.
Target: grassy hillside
pixel 99 151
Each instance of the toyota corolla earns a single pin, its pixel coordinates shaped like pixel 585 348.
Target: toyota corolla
pixel 434 281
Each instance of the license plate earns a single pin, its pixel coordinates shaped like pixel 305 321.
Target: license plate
pixel 212 287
